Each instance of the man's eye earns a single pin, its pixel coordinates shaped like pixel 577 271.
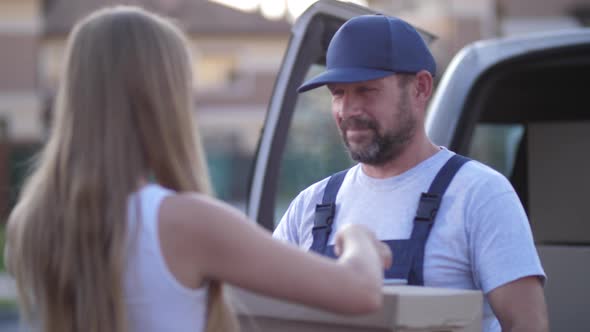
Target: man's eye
pixel 366 89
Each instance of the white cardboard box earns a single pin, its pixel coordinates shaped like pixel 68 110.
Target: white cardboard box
pixel 405 309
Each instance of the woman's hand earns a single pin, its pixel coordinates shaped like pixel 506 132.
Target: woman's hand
pixel 353 238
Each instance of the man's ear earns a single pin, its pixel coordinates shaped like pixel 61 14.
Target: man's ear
pixel 423 86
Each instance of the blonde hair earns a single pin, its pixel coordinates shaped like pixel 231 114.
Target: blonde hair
pixel 124 112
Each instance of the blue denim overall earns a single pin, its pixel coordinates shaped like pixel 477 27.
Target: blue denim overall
pixel 408 262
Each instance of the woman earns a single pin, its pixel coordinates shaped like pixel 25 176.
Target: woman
pixel 114 230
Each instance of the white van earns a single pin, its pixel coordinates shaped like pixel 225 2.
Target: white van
pixel 520 105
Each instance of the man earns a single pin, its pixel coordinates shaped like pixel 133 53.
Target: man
pixel 450 222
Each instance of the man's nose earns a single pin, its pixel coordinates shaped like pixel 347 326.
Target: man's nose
pixel 351 105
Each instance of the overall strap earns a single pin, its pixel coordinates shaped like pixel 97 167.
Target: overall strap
pixel 324 213
pixel 430 201
pixel 426 213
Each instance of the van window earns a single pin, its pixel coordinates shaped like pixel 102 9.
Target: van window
pixel 496 145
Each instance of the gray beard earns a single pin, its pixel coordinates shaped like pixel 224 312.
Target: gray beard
pixel 383 147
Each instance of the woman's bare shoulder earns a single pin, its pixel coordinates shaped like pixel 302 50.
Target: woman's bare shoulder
pixel 197 215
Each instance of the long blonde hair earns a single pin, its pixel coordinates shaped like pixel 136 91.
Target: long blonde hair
pixel 123 112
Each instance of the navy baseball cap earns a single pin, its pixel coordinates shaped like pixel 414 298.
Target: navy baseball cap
pixel 369 47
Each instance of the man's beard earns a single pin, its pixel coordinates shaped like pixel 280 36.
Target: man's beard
pixel 382 147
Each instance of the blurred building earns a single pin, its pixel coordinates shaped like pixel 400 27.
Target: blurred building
pixel 20 102
pixel 236 57
pixel 525 16
pixel 460 22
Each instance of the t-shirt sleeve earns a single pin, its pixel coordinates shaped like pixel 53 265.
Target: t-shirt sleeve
pixel 501 241
pixel 288 229
pixel 296 224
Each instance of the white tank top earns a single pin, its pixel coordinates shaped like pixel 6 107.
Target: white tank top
pixel 155 300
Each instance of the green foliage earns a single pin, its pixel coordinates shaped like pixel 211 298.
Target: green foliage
pixel 8 305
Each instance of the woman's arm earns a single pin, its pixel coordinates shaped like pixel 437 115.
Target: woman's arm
pixel 222 244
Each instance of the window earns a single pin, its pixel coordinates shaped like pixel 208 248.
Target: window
pixel 496 145
pixel 214 71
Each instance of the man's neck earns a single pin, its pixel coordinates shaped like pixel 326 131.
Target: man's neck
pixel 412 155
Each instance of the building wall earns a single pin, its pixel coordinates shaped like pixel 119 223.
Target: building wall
pixel 19 100
pixel 528 16
pixel 540 8
pixel 234 76
pixel 19 37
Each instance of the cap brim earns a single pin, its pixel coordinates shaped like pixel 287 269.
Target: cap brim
pixel 343 75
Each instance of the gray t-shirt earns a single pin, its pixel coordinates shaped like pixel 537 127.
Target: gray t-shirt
pixel 481 238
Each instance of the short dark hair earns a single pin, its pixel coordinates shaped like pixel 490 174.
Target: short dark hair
pixel 403 79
